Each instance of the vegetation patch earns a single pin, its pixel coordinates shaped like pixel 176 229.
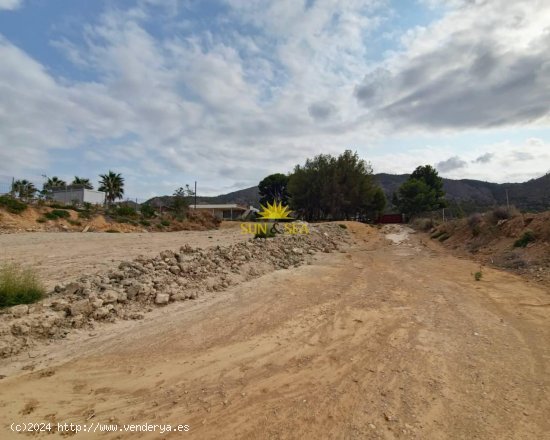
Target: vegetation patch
pixel 343 226
pixel 478 275
pixel 525 239
pixel 112 231
pixel 444 237
pixel 19 286
pixel 12 205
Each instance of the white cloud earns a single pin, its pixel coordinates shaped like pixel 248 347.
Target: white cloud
pixel 235 105
pixel 484 64
pixel 10 5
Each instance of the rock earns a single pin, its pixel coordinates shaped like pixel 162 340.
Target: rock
pixel 20 328
pixel 19 311
pixel 109 296
pixel 162 298
pixel 60 305
pixel 72 289
pixel 175 270
pixel 82 307
pixel 297 251
pixel 122 297
pixel 97 303
pixel 101 313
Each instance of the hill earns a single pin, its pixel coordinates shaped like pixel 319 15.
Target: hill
pixel 533 195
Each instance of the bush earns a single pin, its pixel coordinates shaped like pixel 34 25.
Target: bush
pixel 145 222
pixel 19 286
pixel 57 213
pixel 444 237
pixel 525 239
pixel 12 205
pixel 478 275
pixel 165 223
pixel 112 231
pixel 343 226
pixel 437 234
pixel 126 211
pixel 474 220
pixel 147 211
pixel 74 222
pixel 41 220
pixel 502 213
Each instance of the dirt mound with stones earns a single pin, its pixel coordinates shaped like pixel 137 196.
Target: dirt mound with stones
pixel 139 285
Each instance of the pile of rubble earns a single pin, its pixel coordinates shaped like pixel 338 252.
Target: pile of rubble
pixel 139 285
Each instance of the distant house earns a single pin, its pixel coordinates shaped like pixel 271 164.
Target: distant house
pixel 78 195
pixel 228 211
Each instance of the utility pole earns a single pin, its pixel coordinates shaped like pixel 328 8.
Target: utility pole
pixel 195 196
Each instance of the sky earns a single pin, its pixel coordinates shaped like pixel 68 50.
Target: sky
pixel 225 92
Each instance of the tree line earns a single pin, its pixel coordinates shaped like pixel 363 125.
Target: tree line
pixel 344 187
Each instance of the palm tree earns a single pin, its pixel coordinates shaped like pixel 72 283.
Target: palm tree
pixel 81 182
pixel 54 183
pixel 23 188
pixel 113 185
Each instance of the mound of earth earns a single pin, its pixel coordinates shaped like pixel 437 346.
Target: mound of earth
pixel 139 285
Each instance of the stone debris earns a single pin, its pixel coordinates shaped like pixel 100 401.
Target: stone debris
pixel 138 285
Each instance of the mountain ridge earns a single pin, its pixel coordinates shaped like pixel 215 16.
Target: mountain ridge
pixel 471 194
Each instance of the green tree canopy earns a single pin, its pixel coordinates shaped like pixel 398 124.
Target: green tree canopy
pixel 274 188
pixel 113 185
pixel 328 187
pixel 422 192
pixel 23 189
pixel 54 183
pixel 82 182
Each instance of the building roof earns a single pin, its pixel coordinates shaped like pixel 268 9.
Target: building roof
pixel 220 206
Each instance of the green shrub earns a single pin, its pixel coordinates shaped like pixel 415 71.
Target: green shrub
pixel 41 220
pixel 444 237
pixel 147 211
pixel 144 222
pixel 12 205
pixel 478 275
pixel 343 226
pixel 61 213
pixel 437 234
pixel 126 211
pixel 50 216
pixel 165 223
pixel 19 286
pixel 525 239
pixel 74 222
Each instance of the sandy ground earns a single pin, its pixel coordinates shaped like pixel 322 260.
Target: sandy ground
pixel 60 256
pixel 391 339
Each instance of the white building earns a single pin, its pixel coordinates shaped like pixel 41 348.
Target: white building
pixel 228 211
pixel 78 195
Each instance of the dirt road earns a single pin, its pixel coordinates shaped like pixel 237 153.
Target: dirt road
pixel 391 339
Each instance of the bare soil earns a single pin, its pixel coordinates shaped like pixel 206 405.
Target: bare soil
pixel 388 339
pixel 59 257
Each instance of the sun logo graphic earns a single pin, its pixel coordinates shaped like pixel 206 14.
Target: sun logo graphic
pixel 275 211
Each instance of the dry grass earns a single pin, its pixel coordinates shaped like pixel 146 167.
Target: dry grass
pixel 19 286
